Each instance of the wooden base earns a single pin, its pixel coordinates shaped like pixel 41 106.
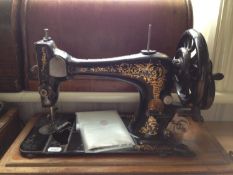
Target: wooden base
pixel 9 129
pixel 211 159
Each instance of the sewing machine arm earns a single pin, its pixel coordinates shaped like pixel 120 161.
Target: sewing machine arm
pixel 148 72
pixel 153 73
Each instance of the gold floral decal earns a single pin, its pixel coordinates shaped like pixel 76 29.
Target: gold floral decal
pixel 153 75
pixel 151 127
pixel 43 59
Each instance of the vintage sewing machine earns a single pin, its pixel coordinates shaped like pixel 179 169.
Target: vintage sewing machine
pixel 153 73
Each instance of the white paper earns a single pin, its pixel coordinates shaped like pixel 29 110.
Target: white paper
pixel 103 131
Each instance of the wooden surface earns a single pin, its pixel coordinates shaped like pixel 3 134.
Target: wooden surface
pixel 223 131
pixel 9 129
pixel 210 159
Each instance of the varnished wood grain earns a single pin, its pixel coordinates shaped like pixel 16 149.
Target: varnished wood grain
pixel 9 129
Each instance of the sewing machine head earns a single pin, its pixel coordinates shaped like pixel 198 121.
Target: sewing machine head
pixel 152 72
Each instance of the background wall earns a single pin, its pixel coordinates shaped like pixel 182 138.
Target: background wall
pixel 205 19
pixel 214 19
pixel 206 15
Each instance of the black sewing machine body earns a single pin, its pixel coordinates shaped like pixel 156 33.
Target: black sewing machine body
pixel 150 73
pixel 153 73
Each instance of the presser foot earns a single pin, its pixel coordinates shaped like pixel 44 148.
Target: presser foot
pixel 59 131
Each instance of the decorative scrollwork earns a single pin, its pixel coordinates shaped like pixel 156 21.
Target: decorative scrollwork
pixel 180 125
pixel 153 75
pixel 43 58
pixel 150 128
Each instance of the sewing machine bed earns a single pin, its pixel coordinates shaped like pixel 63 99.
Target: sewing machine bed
pixel 211 158
pixel 37 144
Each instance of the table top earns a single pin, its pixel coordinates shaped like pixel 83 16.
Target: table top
pixel 223 131
pixel 211 157
pixel 7 117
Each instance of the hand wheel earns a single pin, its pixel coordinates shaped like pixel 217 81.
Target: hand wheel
pixel 193 76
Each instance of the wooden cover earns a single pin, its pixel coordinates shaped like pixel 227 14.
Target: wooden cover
pixel 102 28
pixel 11 60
